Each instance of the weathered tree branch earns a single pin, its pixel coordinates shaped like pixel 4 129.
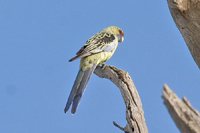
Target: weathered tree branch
pixel 186 14
pixel 134 112
pixel 186 118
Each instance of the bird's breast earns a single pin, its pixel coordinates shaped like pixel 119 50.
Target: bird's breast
pixel 96 59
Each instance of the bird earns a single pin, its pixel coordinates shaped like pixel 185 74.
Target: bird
pixel 96 51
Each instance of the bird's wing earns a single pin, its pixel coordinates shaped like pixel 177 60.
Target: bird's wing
pixel 98 43
pixel 78 88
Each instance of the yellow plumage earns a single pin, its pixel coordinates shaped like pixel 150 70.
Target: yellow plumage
pixel 99 58
pixel 97 50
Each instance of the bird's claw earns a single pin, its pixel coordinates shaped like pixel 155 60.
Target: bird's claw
pixel 102 66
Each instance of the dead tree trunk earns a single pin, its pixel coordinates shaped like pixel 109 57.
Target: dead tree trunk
pixel 186 15
pixel 186 118
pixel 134 112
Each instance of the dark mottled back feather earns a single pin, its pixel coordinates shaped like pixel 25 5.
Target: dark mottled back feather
pixel 94 45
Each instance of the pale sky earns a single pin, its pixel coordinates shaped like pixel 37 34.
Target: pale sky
pixel 39 36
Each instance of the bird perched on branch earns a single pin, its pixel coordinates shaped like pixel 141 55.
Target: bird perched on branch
pixel 97 50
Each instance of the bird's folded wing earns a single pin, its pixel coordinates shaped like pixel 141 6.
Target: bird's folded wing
pixel 96 44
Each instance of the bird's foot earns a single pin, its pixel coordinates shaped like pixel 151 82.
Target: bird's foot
pixel 102 66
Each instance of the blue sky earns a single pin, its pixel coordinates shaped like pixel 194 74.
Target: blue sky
pixel 37 37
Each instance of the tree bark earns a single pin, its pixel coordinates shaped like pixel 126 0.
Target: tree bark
pixel 186 118
pixel 134 112
pixel 186 14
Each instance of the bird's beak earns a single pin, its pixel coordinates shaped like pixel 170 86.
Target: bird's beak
pixel 121 39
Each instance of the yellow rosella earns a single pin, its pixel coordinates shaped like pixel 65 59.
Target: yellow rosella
pixel 97 50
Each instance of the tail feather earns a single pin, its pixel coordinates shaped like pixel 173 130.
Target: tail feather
pixel 79 93
pixel 74 90
pixel 78 88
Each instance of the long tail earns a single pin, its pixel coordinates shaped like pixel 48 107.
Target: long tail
pixel 78 89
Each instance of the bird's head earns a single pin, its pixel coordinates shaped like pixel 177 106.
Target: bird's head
pixel 116 31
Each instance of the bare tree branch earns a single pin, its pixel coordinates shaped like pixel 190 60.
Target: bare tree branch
pixel 186 118
pixel 186 14
pixel 134 112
